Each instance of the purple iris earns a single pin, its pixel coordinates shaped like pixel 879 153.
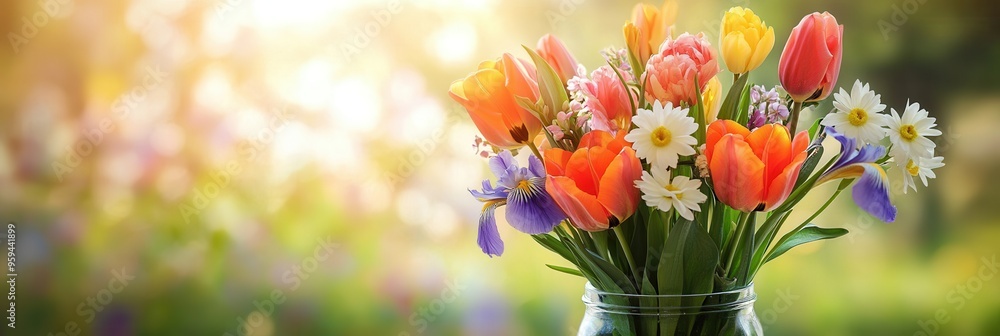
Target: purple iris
pixel 529 208
pixel 871 191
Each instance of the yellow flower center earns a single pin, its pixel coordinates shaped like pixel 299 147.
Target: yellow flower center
pixel 857 116
pixel 660 136
pixel 524 185
pixel 912 168
pixel 674 189
pixel 908 132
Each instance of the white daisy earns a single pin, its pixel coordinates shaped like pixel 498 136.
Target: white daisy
pixel 662 135
pixel 858 114
pixel 922 167
pixel 681 194
pixel 909 133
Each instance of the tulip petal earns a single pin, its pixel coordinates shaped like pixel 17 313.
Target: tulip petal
pixel 491 106
pixel 772 145
pixel 764 47
pixel 531 210
pixel 833 43
pixel 736 52
pixel 583 209
pixel 783 184
pixel 617 186
pixel 556 160
pixel 805 60
pixel 489 237
pixel 719 128
pixel 737 174
pixel 586 167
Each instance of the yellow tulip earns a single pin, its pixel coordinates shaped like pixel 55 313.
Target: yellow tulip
pixel 712 99
pixel 745 40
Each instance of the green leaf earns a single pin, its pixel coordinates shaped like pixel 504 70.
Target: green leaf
pixel 553 244
pixel 603 281
pixel 743 109
pixel 740 267
pixel 550 86
pixel 764 238
pixel 567 270
pixel 655 236
pixel 809 233
pixel 649 323
pixel 809 165
pixel 687 266
pixel 814 128
pixel 697 113
pixel 729 105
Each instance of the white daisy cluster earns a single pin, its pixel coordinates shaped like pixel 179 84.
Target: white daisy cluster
pixel 661 136
pixel 858 115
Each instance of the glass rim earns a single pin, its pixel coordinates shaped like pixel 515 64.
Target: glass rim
pixel 589 288
pixel 593 299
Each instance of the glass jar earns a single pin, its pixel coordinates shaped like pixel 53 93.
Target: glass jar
pixel 728 313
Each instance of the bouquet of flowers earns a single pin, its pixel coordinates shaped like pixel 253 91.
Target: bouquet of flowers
pixel 649 179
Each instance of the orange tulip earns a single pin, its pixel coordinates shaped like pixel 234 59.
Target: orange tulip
pixel 810 62
pixel 488 94
pixel 595 185
pixel 555 53
pixel 753 171
pixel 649 27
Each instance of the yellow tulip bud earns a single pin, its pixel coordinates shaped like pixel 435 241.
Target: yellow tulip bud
pixel 745 40
pixel 712 99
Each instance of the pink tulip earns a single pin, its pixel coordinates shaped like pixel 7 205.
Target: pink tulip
pixel 555 53
pixel 670 74
pixel 608 99
pixel 810 63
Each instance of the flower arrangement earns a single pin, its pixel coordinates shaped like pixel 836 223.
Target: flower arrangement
pixel 649 181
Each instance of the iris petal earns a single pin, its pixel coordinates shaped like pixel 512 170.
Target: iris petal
pixel 535 166
pixel 871 193
pixel 489 237
pixel 531 210
pixel 504 168
pixel 488 193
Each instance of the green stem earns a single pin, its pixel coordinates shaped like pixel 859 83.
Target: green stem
pixel 535 150
pixel 793 121
pixel 815 214
pixel 628 253
pixel 733 244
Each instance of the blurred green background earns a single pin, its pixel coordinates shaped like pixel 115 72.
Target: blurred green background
pixel 301 159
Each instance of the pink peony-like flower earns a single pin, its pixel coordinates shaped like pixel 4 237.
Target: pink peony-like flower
pixel 670 74
pixel 608 99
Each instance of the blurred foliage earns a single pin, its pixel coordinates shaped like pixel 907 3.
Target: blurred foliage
pixel 377 159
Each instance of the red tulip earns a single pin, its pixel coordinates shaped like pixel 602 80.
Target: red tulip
pixel 489 96
pixel 810 63
pixel 753 170
pixel 595 185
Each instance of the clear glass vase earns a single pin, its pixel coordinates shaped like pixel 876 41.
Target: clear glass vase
pixel 725 313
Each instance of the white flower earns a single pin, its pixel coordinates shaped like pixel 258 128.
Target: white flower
pixel 662 135
pixel 909 133
pixel 920 166
pixel 681 194
pixel 858 114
